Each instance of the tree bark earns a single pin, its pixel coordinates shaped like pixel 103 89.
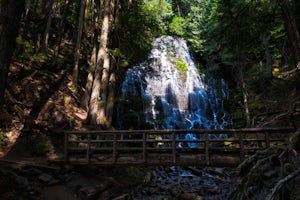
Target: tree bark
pixel 61 31
pixel 78 42
pixel 245 96
pixel 291 29
pixel 10 15
pixel 111 98
pixel 93 59
pixel 48 25
pixel 98 101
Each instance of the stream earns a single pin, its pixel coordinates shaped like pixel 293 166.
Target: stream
pixel 117 183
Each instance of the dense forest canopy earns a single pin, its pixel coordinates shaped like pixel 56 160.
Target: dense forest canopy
pixel 250 43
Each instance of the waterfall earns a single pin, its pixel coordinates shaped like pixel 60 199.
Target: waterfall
pixel 174 94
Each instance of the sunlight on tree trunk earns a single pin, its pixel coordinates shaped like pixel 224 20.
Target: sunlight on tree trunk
pixel 96 113
pixel 93 59
pixel 241 77
pixel 111 98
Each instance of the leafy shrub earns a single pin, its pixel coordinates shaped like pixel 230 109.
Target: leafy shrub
pixel 177 26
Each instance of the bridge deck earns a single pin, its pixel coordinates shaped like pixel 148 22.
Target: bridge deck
pixel 169 147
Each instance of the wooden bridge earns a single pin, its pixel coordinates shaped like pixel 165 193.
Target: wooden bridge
pixel 169 147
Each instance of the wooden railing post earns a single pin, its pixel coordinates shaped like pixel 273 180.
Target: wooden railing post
pixel 206 148
pixel 115 148
pixel 66 159
pixel 174 147
pixel 267 138
pixel 88 148
pixel 144 147
pixel 242 150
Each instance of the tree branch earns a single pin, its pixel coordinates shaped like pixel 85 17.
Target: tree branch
pixel 281 183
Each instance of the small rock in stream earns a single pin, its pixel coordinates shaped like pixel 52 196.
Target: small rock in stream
pixel 45 178
pixel 214 190
pixel 189 196
pixel 270 174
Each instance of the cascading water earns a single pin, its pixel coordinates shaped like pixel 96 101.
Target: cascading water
pixel 174 95
pixel 167 92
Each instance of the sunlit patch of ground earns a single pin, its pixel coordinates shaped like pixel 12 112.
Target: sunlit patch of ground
pixel 39 113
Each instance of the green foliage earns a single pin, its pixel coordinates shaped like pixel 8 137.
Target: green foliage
pixel 159 12
pixel 201 21
pixel 177 26
pixel 26 53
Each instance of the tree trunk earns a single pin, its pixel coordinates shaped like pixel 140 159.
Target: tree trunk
pixel 111 98
pixel 98 101
pixel 267 67
pixel 48 25
pixel 93 60
pixel 78 42
pixel 245 95
pixel 10 14
pixel 246 105
pixel 291 29
pixel 61 31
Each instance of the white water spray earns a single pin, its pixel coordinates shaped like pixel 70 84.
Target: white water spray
pixel 174 94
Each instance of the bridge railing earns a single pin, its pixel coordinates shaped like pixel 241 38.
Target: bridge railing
pixel 169 147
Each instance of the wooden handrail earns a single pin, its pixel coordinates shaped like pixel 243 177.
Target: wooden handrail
pixel 141 147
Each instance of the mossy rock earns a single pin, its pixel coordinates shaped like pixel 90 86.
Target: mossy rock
pixel 128 175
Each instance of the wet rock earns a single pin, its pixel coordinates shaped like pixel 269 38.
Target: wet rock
pixel 91 191
pixel 190 196
pixel 214 190
pixel 270 174
pixel 150 177
pixel 121 197
pixel 176 190
pixel 153 190
pixel 88 192
pixel 45 178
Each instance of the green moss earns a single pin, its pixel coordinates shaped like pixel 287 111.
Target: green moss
pixel 182 69
pixel 181 66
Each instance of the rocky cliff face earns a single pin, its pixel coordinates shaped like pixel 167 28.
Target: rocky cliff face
pixel 173 92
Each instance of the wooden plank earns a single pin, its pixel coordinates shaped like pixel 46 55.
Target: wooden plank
pixel 144 146
pixel 242 152
pixel 66 150
pixel 88 149
pixel 114 148
pixel 267 137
